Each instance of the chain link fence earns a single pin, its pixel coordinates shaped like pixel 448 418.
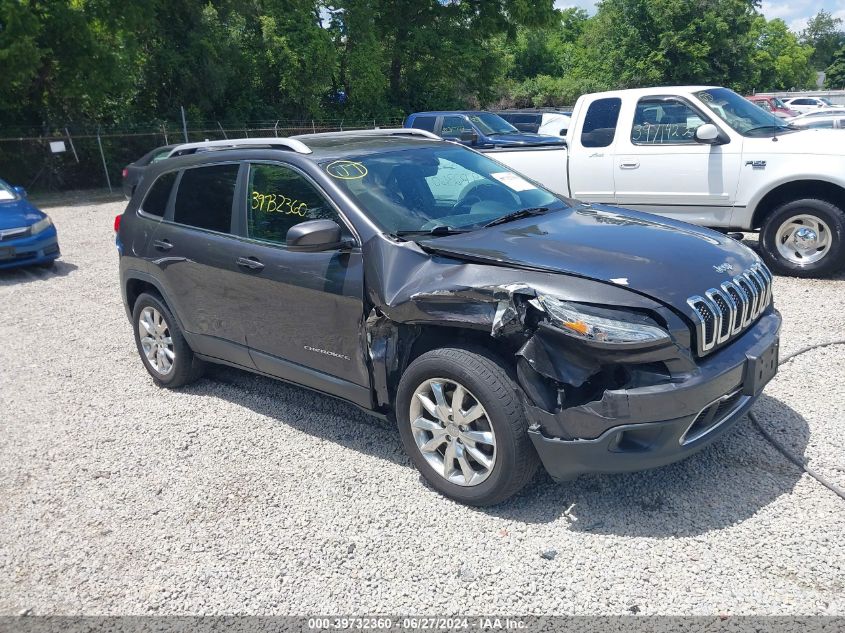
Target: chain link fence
pixel 91 157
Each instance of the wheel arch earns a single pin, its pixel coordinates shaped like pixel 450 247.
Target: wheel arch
pixel 414 340
pixel 796 190
pixel 136 283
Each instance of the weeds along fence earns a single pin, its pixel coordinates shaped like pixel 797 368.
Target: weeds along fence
pixel 88 156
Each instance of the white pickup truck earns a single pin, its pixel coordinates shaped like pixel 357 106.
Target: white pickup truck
pixel 708 156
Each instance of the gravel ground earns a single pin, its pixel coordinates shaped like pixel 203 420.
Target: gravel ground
pixel 242 495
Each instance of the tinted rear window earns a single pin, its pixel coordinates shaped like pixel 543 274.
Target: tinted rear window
pixel 205 196
pixel 156 201
pixel 424 123
pixel 600 122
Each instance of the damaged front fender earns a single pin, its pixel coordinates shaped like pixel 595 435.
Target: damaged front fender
pixel 411 289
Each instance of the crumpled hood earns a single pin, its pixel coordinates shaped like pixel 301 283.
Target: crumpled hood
pixel 525 138
pixel 663 259
pixel 17 213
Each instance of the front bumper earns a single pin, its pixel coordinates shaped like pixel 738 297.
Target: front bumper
pixel 647 427
pixel 36 249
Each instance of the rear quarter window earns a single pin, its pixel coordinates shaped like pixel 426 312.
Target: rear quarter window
pixel 424 123
pixel 600 123
pixel 155 202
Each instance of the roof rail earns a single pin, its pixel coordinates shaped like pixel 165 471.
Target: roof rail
pixel 233 143
pixel 389 131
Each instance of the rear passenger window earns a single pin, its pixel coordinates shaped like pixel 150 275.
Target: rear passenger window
pixel 205 197
pixel 424 123
pixel 600 122
pixel 279 198
pixel 156 201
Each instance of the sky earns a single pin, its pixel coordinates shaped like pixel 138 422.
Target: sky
pixel 795 13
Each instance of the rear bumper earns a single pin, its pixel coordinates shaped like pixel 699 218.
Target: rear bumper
pixel 38 249
pixel 647 427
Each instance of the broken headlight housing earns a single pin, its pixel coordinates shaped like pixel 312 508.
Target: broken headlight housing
pixel 611 327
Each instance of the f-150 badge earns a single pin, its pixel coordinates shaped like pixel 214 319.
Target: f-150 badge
pixel 756 164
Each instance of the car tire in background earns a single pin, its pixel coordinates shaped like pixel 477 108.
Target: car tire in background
pixel 161 345
pixel 464 427
pixel 804 238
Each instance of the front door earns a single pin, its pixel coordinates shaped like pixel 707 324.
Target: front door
pixel 301 311
pixel 661 168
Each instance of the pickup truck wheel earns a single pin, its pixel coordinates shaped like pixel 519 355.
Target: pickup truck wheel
pixel 464 427
pixel 804 238
pixel 163 350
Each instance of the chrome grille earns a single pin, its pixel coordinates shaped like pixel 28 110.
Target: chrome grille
pixel 10 234
pixel 723 312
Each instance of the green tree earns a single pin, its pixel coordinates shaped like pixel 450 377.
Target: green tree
pixel 835 73
pixel 780 60
pixel 64 60
pixel 824 33
pixel 646 42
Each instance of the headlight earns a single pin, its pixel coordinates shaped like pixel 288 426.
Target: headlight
pixel 41 225
pixel 573 320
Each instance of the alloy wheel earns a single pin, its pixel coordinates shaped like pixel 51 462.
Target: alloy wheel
pixel 156 341
pixel 453 432
pixel 803 239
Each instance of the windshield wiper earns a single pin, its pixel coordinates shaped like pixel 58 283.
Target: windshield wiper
pixel 774 128
pixel 516 215
pixel 440 229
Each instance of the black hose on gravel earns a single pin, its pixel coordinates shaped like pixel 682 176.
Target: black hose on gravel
pixel 802 464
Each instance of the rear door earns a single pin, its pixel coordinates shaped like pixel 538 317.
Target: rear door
pixel 195 254
pixel 591 150
pixel 301 311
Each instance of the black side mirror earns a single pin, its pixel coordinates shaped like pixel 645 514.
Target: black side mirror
pixel 469 137
pixel 20 191
pixel 314 236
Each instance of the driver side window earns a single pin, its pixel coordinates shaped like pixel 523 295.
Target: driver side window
pixel 453 126
pixel 278 198
pixel 664 122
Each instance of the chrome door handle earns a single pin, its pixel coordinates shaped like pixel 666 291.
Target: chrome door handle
pixel 249 262
pixel 629 165
pixel 163 245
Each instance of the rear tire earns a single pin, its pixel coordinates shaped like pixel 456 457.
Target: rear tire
pixel 163 349
pixel 479 457
pixel 804 238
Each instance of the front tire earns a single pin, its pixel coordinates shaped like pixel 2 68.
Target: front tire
pixel 163 349
pixel 463 426
pixel 804 238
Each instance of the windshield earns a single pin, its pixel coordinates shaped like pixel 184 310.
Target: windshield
pixel 742 115
pixel 825 101
pixel 490 123
pixel 435 188
pixel 6 192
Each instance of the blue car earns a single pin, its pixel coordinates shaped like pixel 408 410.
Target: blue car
pixel 477 129
pixel 27 235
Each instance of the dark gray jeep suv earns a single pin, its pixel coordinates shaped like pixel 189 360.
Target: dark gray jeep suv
pixel 499 324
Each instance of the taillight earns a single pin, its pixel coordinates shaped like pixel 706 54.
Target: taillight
pixel 125 172
pixel 117 223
